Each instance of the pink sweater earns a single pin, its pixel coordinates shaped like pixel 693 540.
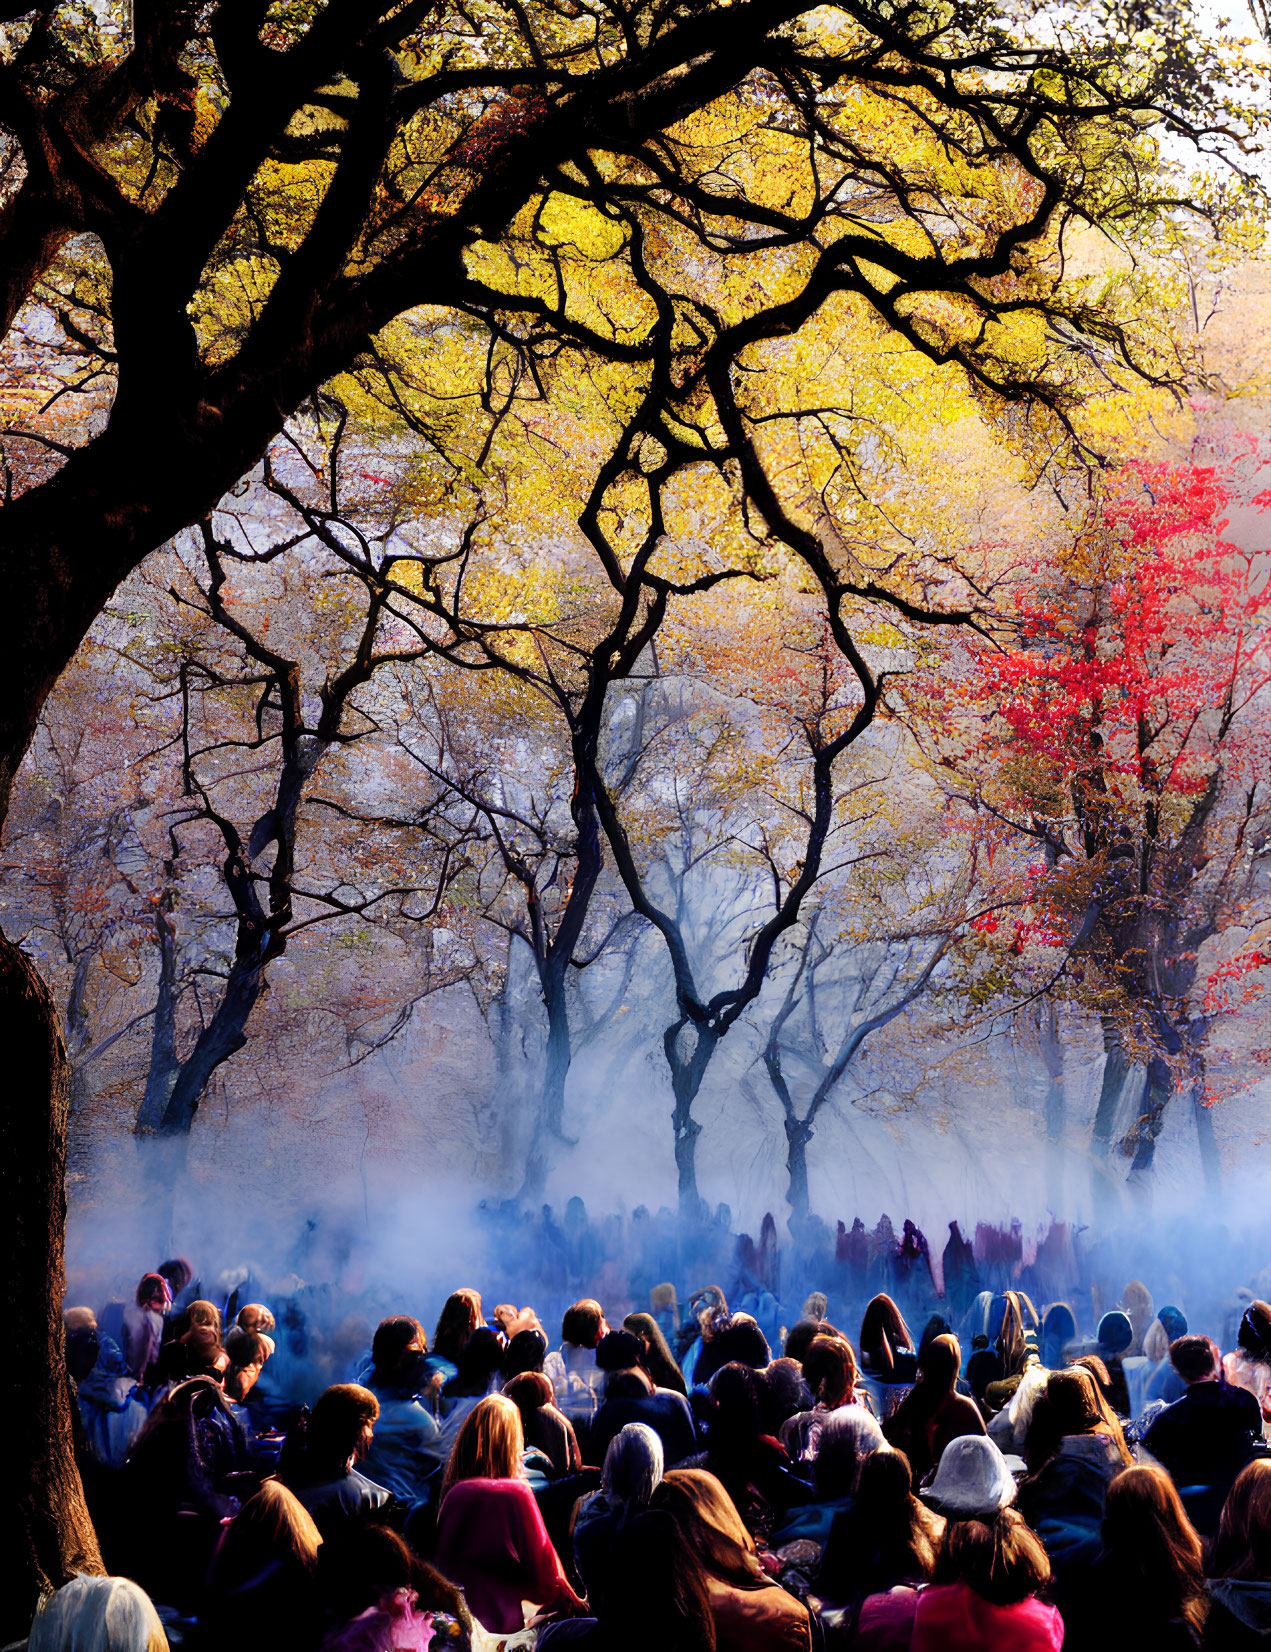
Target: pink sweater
pixel 951 1617
pixel 492 1542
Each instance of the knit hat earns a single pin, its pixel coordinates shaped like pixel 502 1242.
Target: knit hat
pixel 1115 1332
pixel 1175 1322
pixel 972 1482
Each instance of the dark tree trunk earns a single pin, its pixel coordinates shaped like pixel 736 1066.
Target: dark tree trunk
pixel 50 1534
pixel 688 1069
pixel 161 1073
pixel 224 1035
pixel 558 1054
pixel 798 1135
pixel 1053 1109
pixel 1116 1074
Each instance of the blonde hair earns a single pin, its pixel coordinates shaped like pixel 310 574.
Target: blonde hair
pixel 273 1521
pixel 489 1444
pixel 1156 1342
pixel 98 1614
pixel 711 1527
pixel 204 1314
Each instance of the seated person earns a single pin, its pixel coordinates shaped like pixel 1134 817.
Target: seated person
pixel 630 1397
pixel 406 1452
pixel 339 1435
pixel 546 1429
pixel 572 1369
pixel 1207 1437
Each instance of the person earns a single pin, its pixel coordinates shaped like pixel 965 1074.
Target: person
pixel 886 1541
pixel 97 1614
pixel 632 1471
pixel 1148 1585
pixel 848 1437
pixel 263 1573
pixel 1016 1349
pixel 546 1429
pixel 972 1480
pixel 526 1351
pixel 1140 1310
pixel 886 1342
pixel 830 1371
pixel 1058 1333
pixel 753 1467
pixel 480 1373
pixel 630 1397
pixel 984 1596
pixel 1249 1366
pixel 572 1369
pixel 459 1318
pixel 655 1356
pixel 110 1407
pixel 404 1453
pixel 339 1434
pixel 1075 1445
pixel 197 1351
pixel 142 1330
pixel 371 1580
pixel 253 1318
pixel 750 1611
pixel 491 1540
pixel 933 1412
pixel 1163 1382
pixel 1240 1569
pixel 1207 1437
pixel 1114 1337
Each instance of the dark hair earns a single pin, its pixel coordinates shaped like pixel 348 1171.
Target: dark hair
pixel 884 1332
pixel 655 1357
pixel 392 1338
pixel 1154 1552
pixel 529 1391
pixel 743 1343
pixel 633 1384
pixel 800 1336
pixel 459 1318
pixel 1254 1336
pixel 618 1351
pixel 178 1273
pixel 581 1323
pixel 335 1426
pixel 1001 1559
pixel 526 1352
pixel 673 1592
pixel 884 1539
pixel 247 1348
pixel 362 1563
pixel 479 1362
pixel 1243 1548
pixel 1193 1357
pixel 150 1285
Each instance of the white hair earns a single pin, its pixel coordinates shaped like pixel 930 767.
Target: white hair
pixel 633 1466
pixel 98 1614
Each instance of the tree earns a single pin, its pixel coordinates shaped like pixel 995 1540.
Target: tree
pixel 237 203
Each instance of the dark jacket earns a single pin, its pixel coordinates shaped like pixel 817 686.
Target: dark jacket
pixel 1239 1616
pixel 1204 1440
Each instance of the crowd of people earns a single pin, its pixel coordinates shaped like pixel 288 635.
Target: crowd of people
pixel 1001 1480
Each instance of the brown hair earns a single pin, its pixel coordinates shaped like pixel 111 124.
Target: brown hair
pixel 830 1371
pixel 205 1315
pixel 1155 1553
pixel 489 1444
pixel 457 1321
pixel 883 1329
pixel 339 1416
pixel 1071 1404
pixel 270 1526
pixel 1001 1559
pixel 1194 1358
pixel 711 1527
pixel 581 1323
pixel 1243 1548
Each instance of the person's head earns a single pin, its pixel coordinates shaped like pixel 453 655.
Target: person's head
pixel 633 1467
pixel 489 1445
pixel 618 1351
pixel 1151 1545
pixel 800 1336
pixel 1156 1342
pixel 816 1307
pixel 98 1614
pixel 999 1557
pixel 272 1525
pixel 459 1318
pixel 1254 1336
pixel 743 1343
pixel 848 1436
pixel 972 1480
pixel 939 1364
pixel 529 1391
pixel 1072 1404
pixel 583 1325
pixel 480 1364
pixel 1174 1320
pixel 1243 1548
pixel 178 1273
pixel 883 1327
pixel 735 1391
pixel 83 1341
pixel 526 1352
pixel 1015 1345
pixel 204 1316
pixel 656 1356
pixel 710 1526
pixel 1115 1333
pixel 829 1369
pixel 1059 1328
pixel 247 1355
pixel 398 1351
pixel 786 1392
pixel 1195 1358
pixel 255 1316
pixel 632 1384
pixel 153 1292
pixel 888 1511
pixel 341 1426
pixel 364 1565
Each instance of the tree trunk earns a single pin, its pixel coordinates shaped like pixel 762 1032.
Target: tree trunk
pixel 1139 1142
pixel 687 1073
pixel 50 1534
pixel 224 1035
pixel 1053 1109
pixel 558 1055
pixel 161 1075
pixel 798 1135
pixel 1116 1073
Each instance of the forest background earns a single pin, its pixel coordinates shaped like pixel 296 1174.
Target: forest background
pixel 626 600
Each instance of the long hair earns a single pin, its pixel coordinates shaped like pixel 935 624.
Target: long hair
pixel 457 1321
pixel 938 1365
pixel 335 1427
pixel 1001 1559
pixel 883 1329
pixel 393 1336
pixel 649 1550
pixel 1153 1548
pixel 1072 1404
pixel 272 1525
pixel 1243 1548
pixel 658 1360
pixel 98 1614
pixel 887 1536
pixel 489 1444
pixel 830 1371
pixel 711 1527
pixel 205 1315
pixel 1017 1340
pixel 633 1467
